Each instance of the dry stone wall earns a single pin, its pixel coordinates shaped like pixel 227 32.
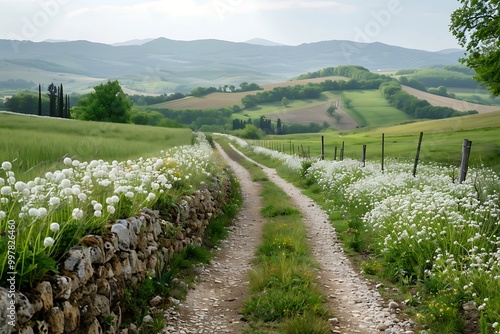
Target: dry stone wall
pixel 87 295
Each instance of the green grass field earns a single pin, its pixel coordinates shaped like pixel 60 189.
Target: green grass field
pixel 35 145
pixel 475 95
pixel 370 108
pixel 442 141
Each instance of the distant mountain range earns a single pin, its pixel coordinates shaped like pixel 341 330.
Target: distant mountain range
pixel 163 65
pixel 265 42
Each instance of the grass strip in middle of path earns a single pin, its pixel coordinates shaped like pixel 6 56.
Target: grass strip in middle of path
pixel 284 296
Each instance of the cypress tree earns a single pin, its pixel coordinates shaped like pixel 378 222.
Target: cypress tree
pixel 60 104
pixel 39 100
pixel 67 107
pixel 52 99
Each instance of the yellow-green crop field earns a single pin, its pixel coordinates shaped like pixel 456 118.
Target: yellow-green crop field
pixel 369 107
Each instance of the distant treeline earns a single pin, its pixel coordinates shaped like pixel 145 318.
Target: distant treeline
pixel 27 103
pixel 142 100
pixel 196 118
pixel 415 107
pixel 54 104
pixel 458 76
pixel 349 71
pixel 268 127
pixel 146 100
pixel 17 84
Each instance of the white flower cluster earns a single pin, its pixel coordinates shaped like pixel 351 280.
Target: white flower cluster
pixel 430 222
pixel 95 189
pixel 435 225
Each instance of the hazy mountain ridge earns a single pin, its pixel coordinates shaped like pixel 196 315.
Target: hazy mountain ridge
pixel 185 64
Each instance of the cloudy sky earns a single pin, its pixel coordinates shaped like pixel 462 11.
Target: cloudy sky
pixel 421 24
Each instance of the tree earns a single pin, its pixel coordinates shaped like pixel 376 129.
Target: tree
pixel 67 107
pixel 279 127
pixel 52 89
pixel 331 109
pixel 39 100
pixel 60 102
pixel 284 101
pixel 107 103
pixel 476 25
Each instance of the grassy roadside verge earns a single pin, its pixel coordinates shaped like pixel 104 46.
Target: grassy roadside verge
pixel 284 297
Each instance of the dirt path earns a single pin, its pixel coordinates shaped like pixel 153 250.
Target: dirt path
pixel 213 306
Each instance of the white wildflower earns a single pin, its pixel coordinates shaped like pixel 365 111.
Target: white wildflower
pixel 65 183
pixel 77 213
pixel 54 227
pixel 33 212
pixel 54 201
pixel 6 190
pixel 42 212
pixel 111 209
pixel 6 165
pixel 158 164
pixel 20 186
pixel 48 242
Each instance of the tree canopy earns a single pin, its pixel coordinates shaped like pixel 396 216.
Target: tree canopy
pixel 476 25
pixel 107 103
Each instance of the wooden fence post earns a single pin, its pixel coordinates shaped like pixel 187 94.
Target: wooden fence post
pixel 363 156
pixel 342 152
pixel 322 148
pixel 418 154
pixel 383 151
pixel 335 154
pixel 464 165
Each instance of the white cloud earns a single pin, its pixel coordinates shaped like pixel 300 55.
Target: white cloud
pixel 260 5
pixel 185 8
pixel 192 8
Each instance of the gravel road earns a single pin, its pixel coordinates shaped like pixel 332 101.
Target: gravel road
pixel 212 307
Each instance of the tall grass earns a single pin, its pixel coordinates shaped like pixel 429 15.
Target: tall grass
pixel 53 211
pixel 37 145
